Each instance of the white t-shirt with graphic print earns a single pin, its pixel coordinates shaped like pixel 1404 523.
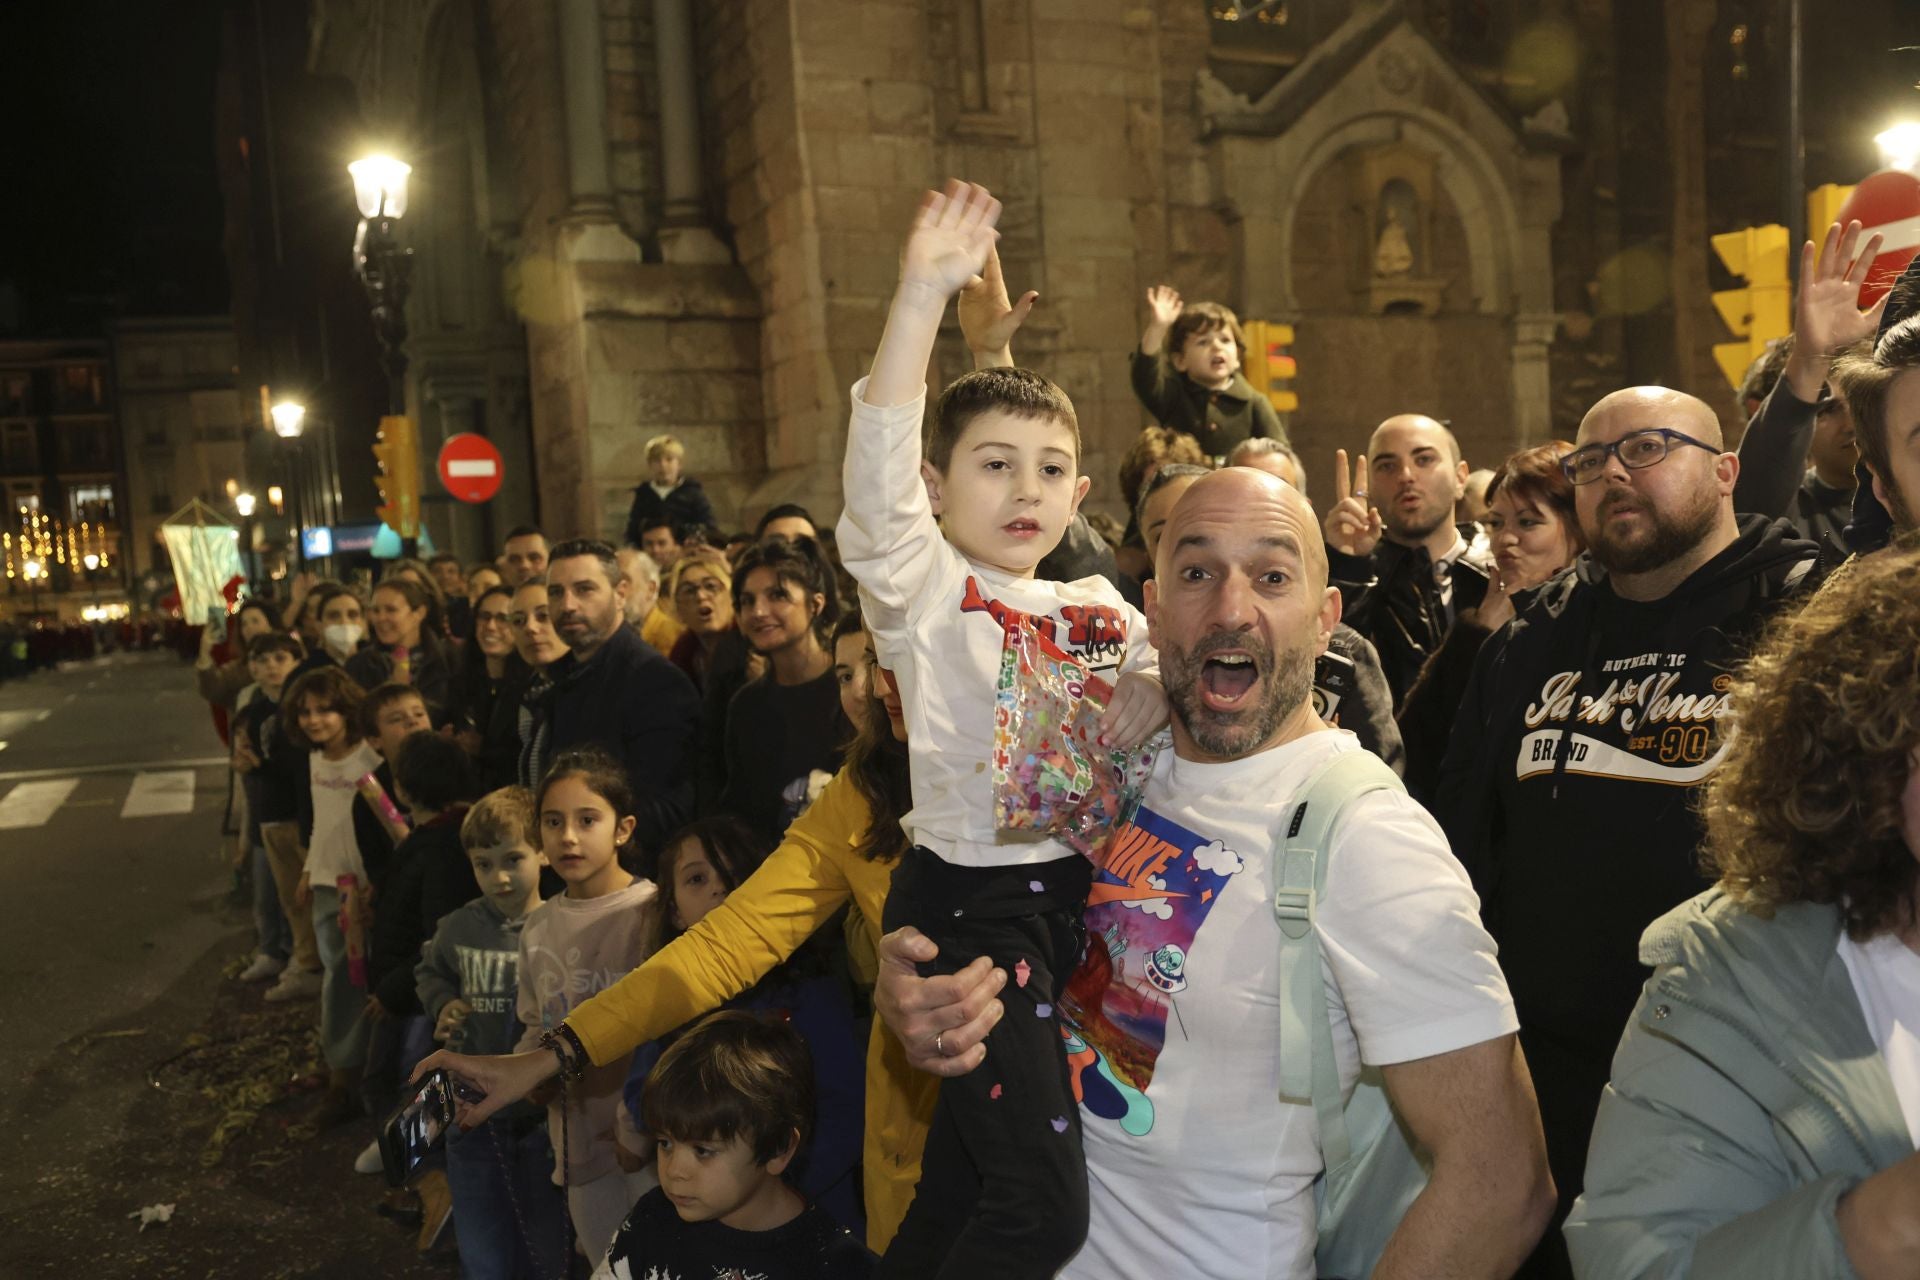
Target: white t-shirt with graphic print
pixel 1195 1166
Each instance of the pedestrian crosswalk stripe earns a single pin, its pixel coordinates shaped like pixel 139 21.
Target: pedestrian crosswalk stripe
pixel 31 803
pixel 152 794
pixel 12 722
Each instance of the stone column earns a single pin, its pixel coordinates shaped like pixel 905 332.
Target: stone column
pixel 596 233
pixel 1532 378
pixel 684 233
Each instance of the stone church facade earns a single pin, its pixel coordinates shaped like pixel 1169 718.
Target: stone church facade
pixel 637 216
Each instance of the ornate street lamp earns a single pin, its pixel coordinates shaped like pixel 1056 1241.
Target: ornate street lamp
pixel 383 264
pixel 289 419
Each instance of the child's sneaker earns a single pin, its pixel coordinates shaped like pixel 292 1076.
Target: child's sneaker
pixel 369 1161
pixel 263 967
pixel 296 984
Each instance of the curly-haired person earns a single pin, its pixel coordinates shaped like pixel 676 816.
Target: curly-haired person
pixel 1764 1108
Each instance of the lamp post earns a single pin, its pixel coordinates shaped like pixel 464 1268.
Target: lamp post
pixel 289 421
pixel 33 571
pixel 383 264
pixel 244 504
pixel 385 267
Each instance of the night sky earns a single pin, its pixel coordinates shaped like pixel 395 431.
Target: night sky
pixel 112 205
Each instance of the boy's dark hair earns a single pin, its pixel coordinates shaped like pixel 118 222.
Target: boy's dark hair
pixel 333 689
pixel 602 774
pixel 444 557
pixel 800 563
pixel 661 520
pixel 1021 393
pixel 500 816
pixel 380 698
pixel 524 531
pixel 434 771
pixel 274 642
pixel 1205 317
pixel 734 1075
pixel 785 511
pixel 732 849
pixel 602 551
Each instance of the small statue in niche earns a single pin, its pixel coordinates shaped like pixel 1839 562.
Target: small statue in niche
pixel 1393 254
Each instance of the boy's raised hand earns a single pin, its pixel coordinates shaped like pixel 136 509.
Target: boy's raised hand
pixel 1163 301
pixel 953 234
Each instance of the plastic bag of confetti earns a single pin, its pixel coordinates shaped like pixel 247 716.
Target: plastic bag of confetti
pixel 1050 773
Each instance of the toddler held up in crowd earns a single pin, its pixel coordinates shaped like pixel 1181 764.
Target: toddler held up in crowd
pixel 944 546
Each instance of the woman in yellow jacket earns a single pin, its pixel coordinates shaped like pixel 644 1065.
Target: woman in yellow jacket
pixel 843 848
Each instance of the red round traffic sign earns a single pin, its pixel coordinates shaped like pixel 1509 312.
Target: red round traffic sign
pixel 470 467
pixel 1887 202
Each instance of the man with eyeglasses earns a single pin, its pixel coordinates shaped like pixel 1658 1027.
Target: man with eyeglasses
pixel 1567 789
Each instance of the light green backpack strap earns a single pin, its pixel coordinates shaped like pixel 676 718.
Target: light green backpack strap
pixel 1309 1067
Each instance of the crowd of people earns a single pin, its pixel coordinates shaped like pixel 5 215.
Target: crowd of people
pixel 688 859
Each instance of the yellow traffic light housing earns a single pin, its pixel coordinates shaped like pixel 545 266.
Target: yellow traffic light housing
pixel 396 448
pixel 1761 312
pixel 1268 366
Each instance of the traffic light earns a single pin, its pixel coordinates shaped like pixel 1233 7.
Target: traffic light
pixel 1823 208
pixel 1268 366
pixel 398 453
pixel 1763 310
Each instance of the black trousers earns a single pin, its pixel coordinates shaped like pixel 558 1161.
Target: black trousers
pixel 1003 1181
pixel 1568 1078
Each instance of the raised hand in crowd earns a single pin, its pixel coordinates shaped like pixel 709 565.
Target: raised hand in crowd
pixel 988 320
pixel 1827 317
pixel 1163 308
pixel 952 237
pixel 1353 523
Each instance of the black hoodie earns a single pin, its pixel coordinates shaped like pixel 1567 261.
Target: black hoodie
pixel 1579 829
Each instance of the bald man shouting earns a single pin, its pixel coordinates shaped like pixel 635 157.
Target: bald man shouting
pixel 1568 786
pixel 1196 1167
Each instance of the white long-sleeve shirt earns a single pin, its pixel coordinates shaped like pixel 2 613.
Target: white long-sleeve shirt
pixel 938 624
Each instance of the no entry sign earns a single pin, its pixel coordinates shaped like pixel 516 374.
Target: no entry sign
pixel 470 467
pixel 1889 203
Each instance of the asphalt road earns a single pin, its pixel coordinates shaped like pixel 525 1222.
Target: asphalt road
pixel 138 1072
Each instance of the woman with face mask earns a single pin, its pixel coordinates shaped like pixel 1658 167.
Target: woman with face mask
pixel 334 617
pixel 405 647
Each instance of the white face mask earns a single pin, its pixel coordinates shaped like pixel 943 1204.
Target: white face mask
pixel 343 637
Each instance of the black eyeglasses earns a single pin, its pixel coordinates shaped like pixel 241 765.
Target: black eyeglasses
pixel 1637 450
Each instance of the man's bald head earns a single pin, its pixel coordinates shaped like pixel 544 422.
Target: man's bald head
pixel 1641 408
pixel 1256 502
pixel 1410 427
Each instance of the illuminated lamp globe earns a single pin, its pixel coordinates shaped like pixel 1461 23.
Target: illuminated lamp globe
pixel 380 186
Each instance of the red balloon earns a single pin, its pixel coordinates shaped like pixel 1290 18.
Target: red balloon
pixel 1887 202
